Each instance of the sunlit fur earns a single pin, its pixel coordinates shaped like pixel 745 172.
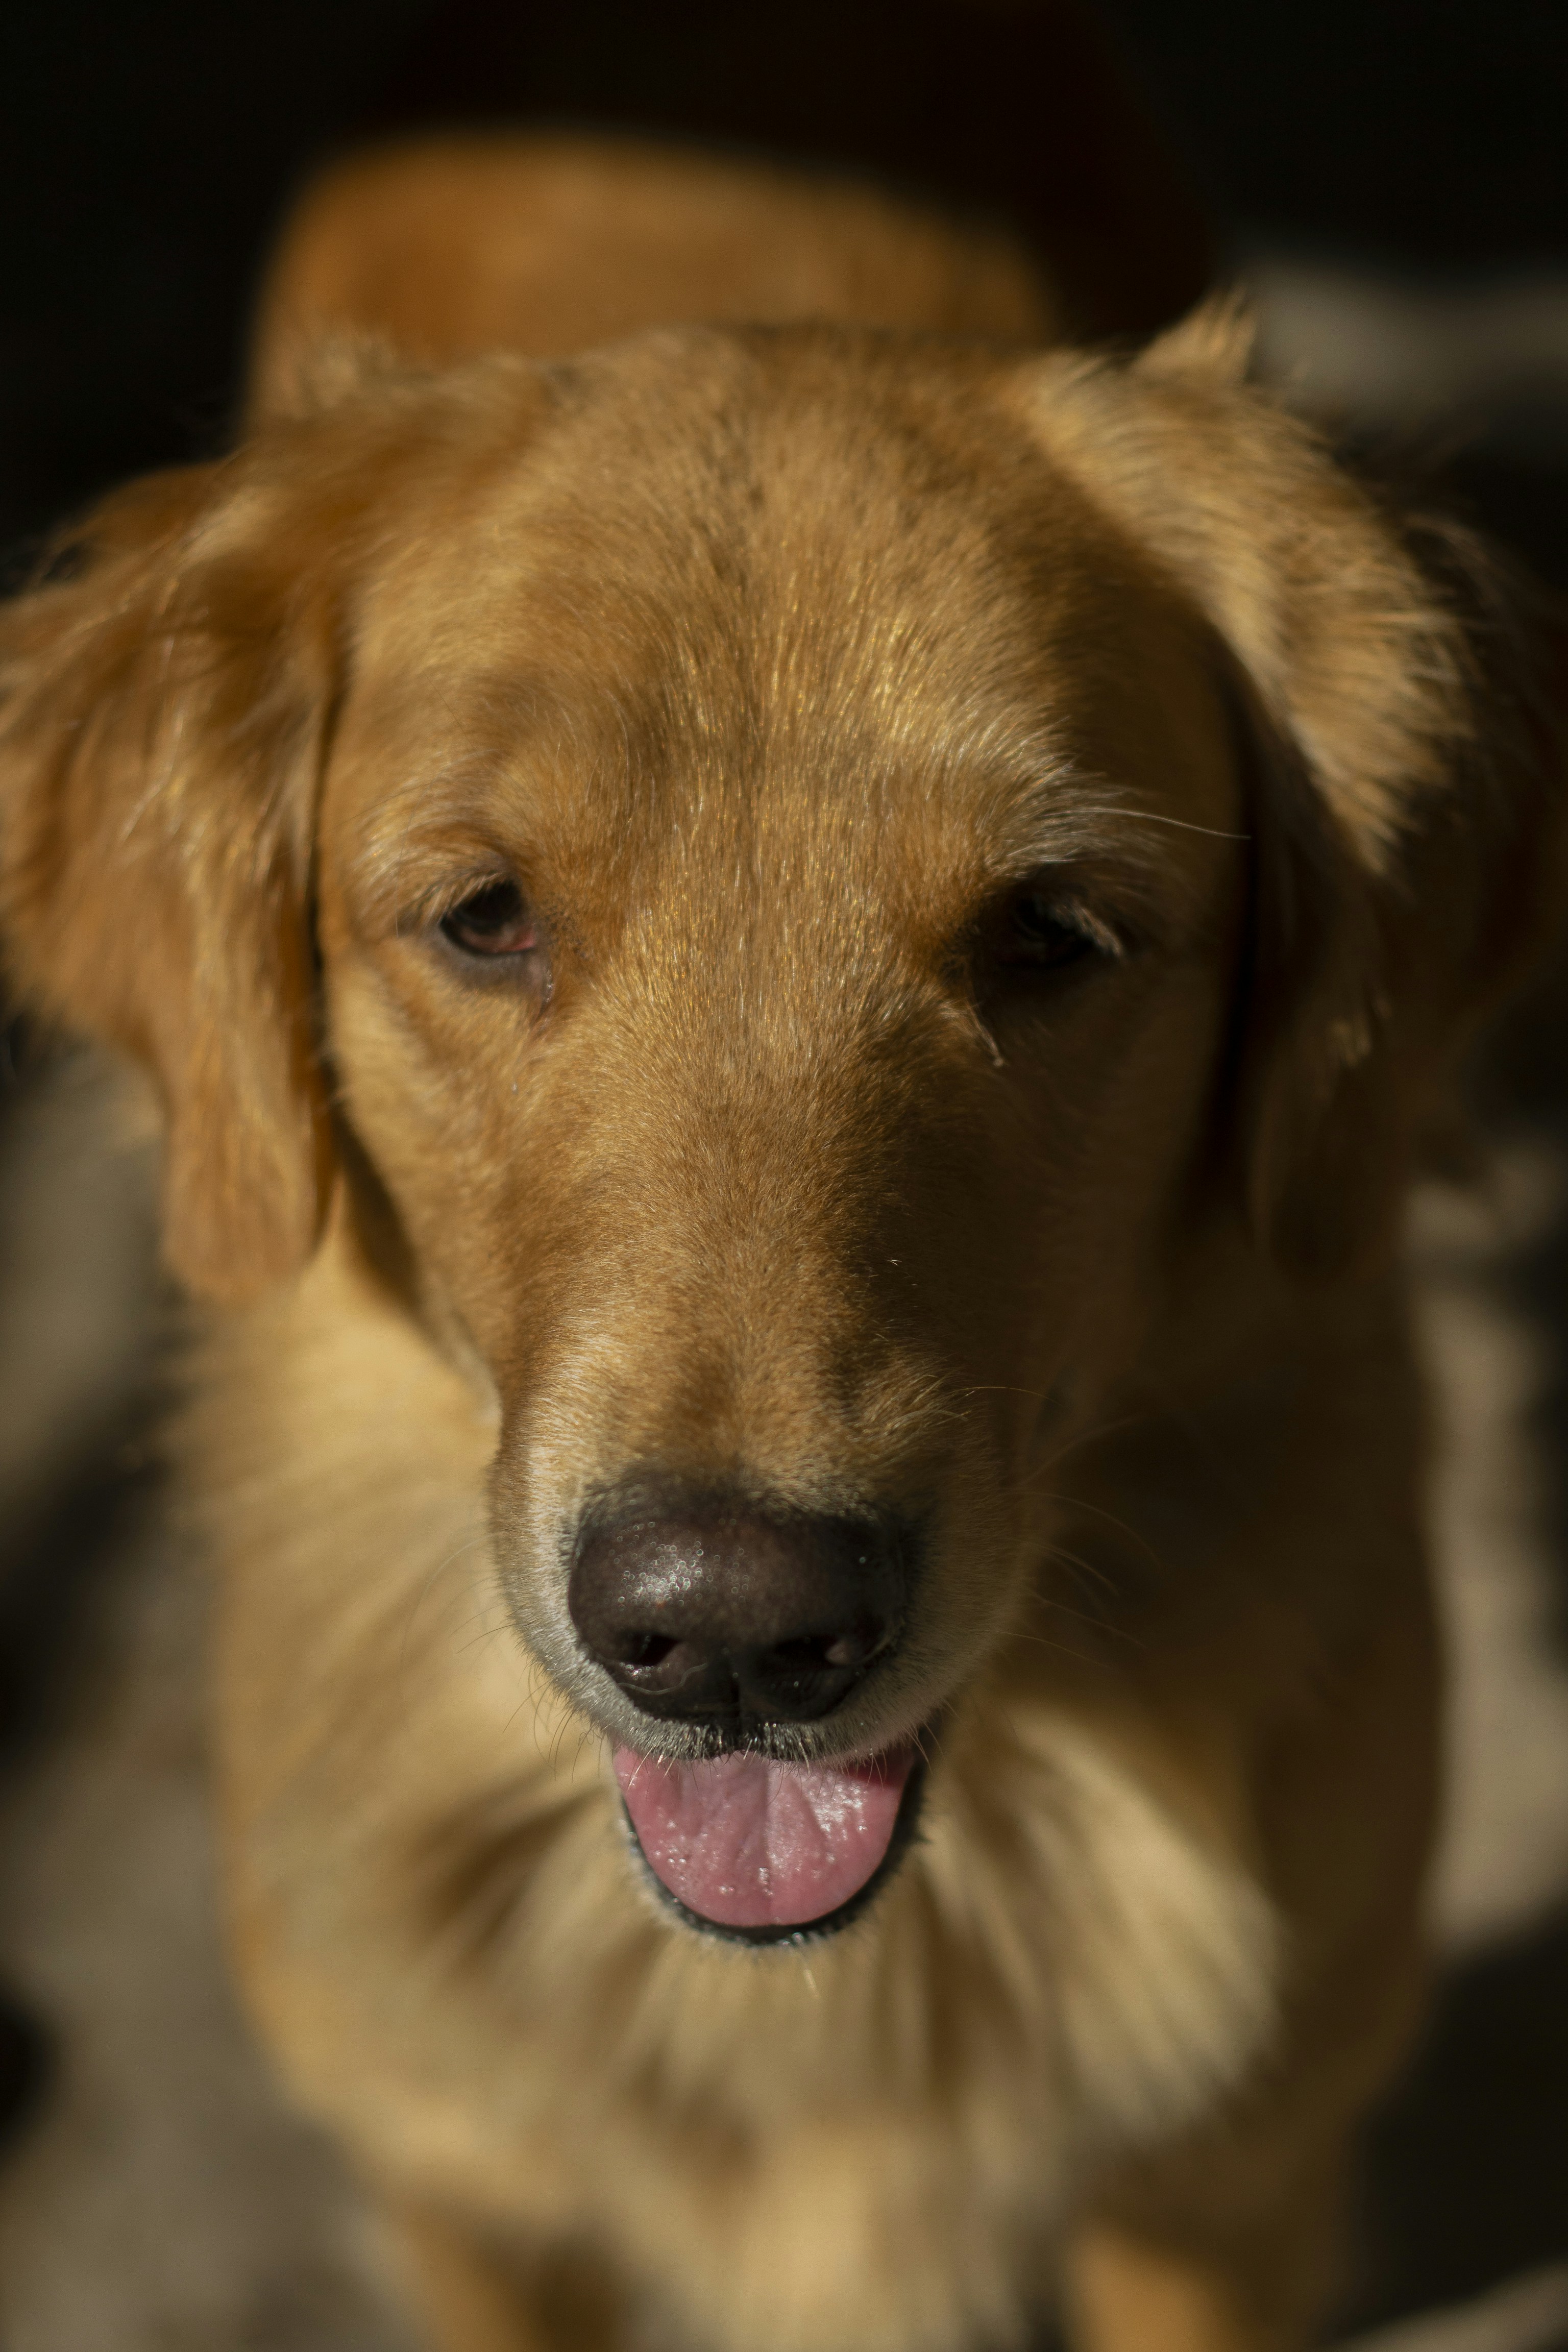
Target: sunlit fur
pixel 769 659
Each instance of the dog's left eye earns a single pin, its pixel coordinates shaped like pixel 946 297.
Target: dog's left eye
pixel 1038 933
pixel 495 921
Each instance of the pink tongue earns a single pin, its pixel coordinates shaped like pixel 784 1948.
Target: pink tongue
pixel 747 1842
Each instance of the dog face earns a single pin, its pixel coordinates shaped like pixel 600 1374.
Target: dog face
pixel 777 969
pixel 780 864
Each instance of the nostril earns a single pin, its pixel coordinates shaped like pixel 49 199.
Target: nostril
pixel 794 1666
pixel 857 1644
pixel 637 1649
pixel 804 1677
pixel 815 1653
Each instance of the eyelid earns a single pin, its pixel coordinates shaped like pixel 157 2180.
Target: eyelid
pixel 439 900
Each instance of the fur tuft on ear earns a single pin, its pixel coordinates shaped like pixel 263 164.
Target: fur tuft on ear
pixel 324 372
pixel 1217 341
pixel 1407 781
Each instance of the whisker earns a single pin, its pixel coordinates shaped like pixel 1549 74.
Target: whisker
pixel 1097 1510
pixel 1090 1436
pixel 1085 1567
pixel 416 1603
pixel 1156 817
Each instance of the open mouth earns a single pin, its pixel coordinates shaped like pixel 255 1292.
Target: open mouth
pixel 769 1853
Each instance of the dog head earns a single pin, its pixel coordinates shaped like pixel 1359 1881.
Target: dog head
pixel 795 887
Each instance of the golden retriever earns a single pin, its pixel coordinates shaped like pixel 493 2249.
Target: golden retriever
pixel 796 964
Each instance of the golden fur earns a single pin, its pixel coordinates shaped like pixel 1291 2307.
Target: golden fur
pixel 771 657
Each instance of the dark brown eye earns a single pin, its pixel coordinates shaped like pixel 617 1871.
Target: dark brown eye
pixel 494 921
pixel 1039 933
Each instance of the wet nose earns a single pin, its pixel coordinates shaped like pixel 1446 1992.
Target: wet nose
pixel 704 1613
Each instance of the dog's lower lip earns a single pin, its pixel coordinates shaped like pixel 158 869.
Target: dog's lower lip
pixel 751 1847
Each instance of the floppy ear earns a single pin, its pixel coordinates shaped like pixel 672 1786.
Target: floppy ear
pixel 1407 777
pixel 164 709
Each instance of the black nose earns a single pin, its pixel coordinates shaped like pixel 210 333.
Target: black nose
pixel 707 1612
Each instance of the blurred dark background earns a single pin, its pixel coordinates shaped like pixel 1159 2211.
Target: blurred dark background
pixel 148 149
pixel 1418 145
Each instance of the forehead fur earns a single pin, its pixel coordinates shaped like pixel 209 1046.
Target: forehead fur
pixel 813 577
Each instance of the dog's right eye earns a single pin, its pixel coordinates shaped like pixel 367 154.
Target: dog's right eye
pixel 495 921
pixel 1041 931
pixel 1040 935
